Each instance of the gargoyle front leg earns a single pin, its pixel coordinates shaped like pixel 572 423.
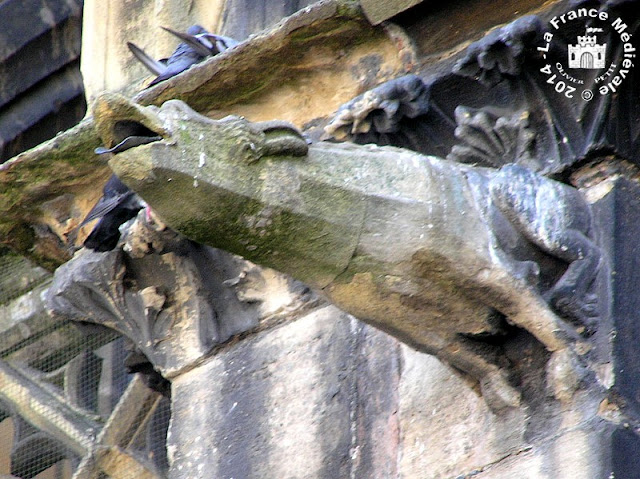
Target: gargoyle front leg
pixel 554 217
pixel 570 295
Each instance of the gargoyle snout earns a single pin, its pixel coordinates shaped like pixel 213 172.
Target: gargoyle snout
pixel 122 124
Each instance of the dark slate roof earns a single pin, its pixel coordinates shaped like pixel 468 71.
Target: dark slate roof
pixel 41 90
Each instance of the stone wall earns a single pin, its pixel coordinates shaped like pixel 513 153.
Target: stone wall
pixel 327 396
pixel 271 380
pixel 41 92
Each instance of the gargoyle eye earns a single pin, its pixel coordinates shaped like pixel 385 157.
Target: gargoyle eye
pixel 249 148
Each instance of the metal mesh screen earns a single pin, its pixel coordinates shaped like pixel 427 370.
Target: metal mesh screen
pixel 17 276
pixel 67 401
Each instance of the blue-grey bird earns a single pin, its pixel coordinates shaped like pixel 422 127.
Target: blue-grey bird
pixel 117 206
pixel 197 45
pixel 118 203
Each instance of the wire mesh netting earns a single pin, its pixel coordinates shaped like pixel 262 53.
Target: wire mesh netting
pixel 17 276
pixel 67 399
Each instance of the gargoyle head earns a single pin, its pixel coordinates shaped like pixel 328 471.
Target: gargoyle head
pixel 205 177
pixel 122 125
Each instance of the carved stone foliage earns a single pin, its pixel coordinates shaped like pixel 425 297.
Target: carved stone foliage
pixel 501 53
pixel 517 100
pixel 164 293
pixel 379 112
pixel 510 108
pixel 512 97
pixel 490 140
pixel 551 216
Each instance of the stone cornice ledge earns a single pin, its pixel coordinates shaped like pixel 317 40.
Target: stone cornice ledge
pixel 46 191
pixel 267 58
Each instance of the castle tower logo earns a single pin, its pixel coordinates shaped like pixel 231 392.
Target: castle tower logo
pixel 588 53
pixel 577 66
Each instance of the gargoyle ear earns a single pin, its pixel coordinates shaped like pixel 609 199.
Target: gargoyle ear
pixel 282 138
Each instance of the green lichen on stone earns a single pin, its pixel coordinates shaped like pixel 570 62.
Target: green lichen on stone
pixel 63 164
pixel 313 249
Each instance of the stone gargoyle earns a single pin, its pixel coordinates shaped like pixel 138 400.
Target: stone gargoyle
pixel 439 254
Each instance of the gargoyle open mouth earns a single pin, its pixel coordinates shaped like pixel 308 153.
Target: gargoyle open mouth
pixel 123 124
pixel 129 134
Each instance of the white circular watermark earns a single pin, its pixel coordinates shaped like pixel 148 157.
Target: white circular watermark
pixel 586 68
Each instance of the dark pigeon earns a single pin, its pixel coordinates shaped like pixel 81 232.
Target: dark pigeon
pixel 117 206
pixel 197 45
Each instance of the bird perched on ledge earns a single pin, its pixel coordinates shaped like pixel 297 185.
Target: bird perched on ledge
pixel 119 204
pixel 197 45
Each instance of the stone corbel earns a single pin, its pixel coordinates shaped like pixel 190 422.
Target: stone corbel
pixel 163 292
pixel 174 299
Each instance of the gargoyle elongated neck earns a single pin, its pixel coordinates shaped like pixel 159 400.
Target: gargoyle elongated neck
pixel 302 215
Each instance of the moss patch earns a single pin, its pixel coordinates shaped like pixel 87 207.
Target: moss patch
pixel 61 165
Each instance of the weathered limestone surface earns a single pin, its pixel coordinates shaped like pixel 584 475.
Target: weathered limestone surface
pixel 573 398
pixel 304 68
pixel 107 63
pixel 274 398
pixel 444 436
pixel 452 434
pixel 324 396
pixel 279 405
pixel 398 239
pixel 45 191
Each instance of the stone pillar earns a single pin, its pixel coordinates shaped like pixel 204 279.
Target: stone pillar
pixel 279 404
pixel 618 212
pixel 326 396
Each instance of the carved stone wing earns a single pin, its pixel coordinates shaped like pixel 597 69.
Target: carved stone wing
pixel 497 82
